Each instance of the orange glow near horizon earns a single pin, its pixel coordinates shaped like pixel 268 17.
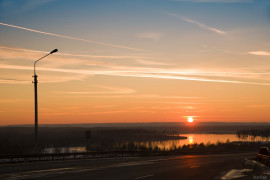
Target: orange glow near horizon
pixel 110 70
pixel 190 119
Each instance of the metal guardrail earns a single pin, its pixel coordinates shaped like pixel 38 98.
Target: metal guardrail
pixel 18 158
pixel 21 158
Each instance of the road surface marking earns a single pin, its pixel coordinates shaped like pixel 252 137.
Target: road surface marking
pixel 92 159
pixel 194 166
pixel 62 161
pixel 58 171
pixel 236 173
pixel 36 174
pixel 76 169
pixel 146 176
pixel 38 171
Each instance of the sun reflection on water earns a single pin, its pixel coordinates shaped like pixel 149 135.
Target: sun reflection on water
pixel 190 140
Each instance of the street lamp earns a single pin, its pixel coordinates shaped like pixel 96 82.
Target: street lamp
pixel 36 103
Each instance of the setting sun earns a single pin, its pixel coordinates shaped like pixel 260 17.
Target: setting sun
pixel 190 119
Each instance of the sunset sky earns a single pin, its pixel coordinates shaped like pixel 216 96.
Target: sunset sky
pixel 128 61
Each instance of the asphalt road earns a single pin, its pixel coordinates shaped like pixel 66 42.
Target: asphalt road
pixel 186 167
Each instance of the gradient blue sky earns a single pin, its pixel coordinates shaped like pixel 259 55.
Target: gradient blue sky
pixel 135 60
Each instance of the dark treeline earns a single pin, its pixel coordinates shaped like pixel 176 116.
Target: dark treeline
pixel 21 139
pixel 16 140
pixel 254 134
pixel 209 148
pixel 207 128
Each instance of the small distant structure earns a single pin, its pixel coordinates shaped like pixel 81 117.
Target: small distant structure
pixel 250 142
pixel 88 135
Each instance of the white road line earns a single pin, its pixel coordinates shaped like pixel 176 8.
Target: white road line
pixel 36 174
pixel 146 176
pixel 89 159
pixel 61 161
pixel 76 169
pixel 235 173
pixel 58 171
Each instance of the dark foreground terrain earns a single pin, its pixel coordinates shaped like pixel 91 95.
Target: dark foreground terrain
pixel 111 137
pixel 226 166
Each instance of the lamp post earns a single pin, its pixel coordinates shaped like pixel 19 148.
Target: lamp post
pixel 36 103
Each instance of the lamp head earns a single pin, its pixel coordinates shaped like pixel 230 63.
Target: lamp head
pixel 53 51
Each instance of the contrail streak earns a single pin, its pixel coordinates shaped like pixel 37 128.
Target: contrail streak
pixel 82 55
pixel 260 53
pixel 197 23
pixel 129 74
pixel 68 37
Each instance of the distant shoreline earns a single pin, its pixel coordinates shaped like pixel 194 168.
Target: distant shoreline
pixel 144 124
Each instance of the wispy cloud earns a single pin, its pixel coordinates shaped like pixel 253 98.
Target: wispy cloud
pixel 10 100
pixel 69 37
pixel 147 62
pixel 149 35
pixel 135 73
pixel 73 69
pixel 54 113
pixel 215 30
pixel 25 4
pixel 112 90
pixel 176 77
pixel 16 7
pixel 24 78
pixel 258 106
pixel 216 1
pixel 104 112
pixel 28 55
pixel 32 4
pixel 103 106
pixel 11 52
pixel 136 96
pixel 260 53
pixel 13 81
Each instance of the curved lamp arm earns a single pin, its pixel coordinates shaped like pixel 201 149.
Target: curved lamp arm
pixel 53 51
